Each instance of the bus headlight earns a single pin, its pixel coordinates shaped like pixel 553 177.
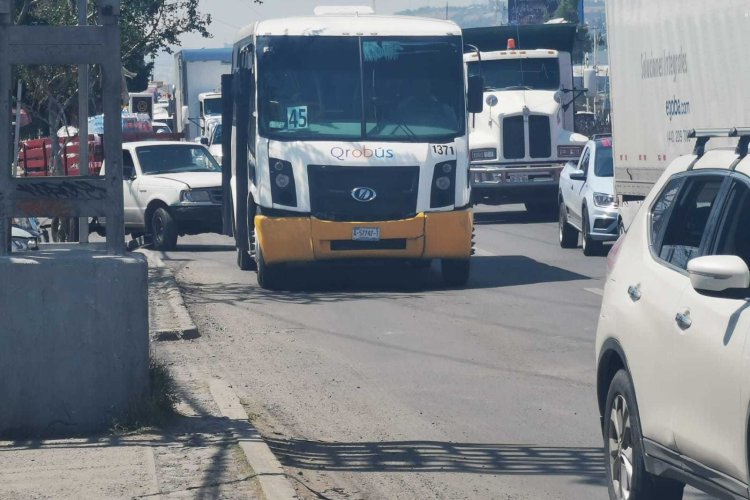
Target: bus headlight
pixel 282 180
pixel 283 188
pixel 443 192
pixel 443 183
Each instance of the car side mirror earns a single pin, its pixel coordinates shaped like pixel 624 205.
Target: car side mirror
pixel 475 94
pixel 204 141
pixel 718 273
pixel 128 172
pixel 578 175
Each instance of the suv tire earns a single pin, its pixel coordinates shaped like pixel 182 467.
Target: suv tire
pixel 568 234
pixel 623 447
pixel 163 230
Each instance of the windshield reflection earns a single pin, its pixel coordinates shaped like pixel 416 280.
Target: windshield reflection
pixel 348 88
pixel 165 159
pixel 518 74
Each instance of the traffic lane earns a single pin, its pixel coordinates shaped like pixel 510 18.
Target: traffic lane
pixel 356 368
pixel 514 221
pixel 397 358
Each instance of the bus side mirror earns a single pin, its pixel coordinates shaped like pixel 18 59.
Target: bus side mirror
pixel 475 94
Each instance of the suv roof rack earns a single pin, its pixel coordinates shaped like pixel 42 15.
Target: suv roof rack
pixel 705 135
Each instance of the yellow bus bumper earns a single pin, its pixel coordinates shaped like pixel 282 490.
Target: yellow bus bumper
pixel 433 235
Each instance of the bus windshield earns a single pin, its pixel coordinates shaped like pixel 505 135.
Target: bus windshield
pixel 355 88
pixel 519 74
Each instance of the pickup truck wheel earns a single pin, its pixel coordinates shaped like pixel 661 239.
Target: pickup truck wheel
pixel 590 247
pixel 567 234
pixel 455 271
pixel 627 477
pixel 270 277
pixel 163 230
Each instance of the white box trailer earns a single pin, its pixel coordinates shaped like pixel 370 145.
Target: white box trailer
pixel 675 66
pixel 197 71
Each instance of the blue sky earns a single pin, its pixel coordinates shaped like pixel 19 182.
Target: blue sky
pixel 230 15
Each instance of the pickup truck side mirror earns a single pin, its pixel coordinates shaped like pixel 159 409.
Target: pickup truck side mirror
pixel 128 172
pixel 578 175
pixel 475 94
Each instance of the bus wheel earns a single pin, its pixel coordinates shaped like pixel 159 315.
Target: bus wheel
pixel 244 261
pixel 270 277
pixel 455 271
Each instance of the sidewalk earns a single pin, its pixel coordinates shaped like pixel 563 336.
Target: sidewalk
pixel 197 455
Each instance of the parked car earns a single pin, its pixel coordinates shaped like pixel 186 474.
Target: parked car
pixel 673 340
pixel 587 199
pixel 161 128
pixel 171 189
pixel 25 235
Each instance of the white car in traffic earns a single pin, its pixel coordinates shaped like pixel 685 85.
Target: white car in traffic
pixel 587 199
pixel 673 340
pixel 171 189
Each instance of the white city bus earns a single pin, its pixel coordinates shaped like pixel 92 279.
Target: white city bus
pixel 349 141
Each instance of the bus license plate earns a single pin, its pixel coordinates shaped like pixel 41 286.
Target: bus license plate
pixel 366 234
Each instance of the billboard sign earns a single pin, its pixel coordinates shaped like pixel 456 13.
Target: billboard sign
pixel 531 11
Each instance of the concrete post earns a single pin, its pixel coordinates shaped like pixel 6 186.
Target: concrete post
pixel 74 346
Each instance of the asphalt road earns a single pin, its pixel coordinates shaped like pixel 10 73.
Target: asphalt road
pixel 381 383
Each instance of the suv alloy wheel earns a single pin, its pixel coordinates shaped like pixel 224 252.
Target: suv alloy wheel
pixel 627 477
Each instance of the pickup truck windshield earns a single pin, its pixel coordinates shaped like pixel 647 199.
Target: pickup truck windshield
pixel 355 88
pixel 174 158
pixel 519 74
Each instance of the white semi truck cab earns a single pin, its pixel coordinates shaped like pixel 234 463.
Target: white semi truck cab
pixel 210 111
pixel 523 138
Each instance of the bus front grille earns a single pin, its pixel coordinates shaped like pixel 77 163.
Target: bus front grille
pixel 331 187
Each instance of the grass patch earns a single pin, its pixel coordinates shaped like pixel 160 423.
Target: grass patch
pixel 157 408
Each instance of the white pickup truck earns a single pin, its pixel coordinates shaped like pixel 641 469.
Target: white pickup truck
pixel 171 189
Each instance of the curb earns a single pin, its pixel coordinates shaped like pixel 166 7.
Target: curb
pixel 268 470
pixel 185 329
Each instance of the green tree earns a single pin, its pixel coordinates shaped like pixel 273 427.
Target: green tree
pixel 568 9
pixel 147 27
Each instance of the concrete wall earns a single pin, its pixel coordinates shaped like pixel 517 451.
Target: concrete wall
pixel 74 346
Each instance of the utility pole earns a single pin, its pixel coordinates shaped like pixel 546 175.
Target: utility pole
pixel 83 121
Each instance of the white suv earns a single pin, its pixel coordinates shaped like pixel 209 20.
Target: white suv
pixel 587 201
pixel 673 341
